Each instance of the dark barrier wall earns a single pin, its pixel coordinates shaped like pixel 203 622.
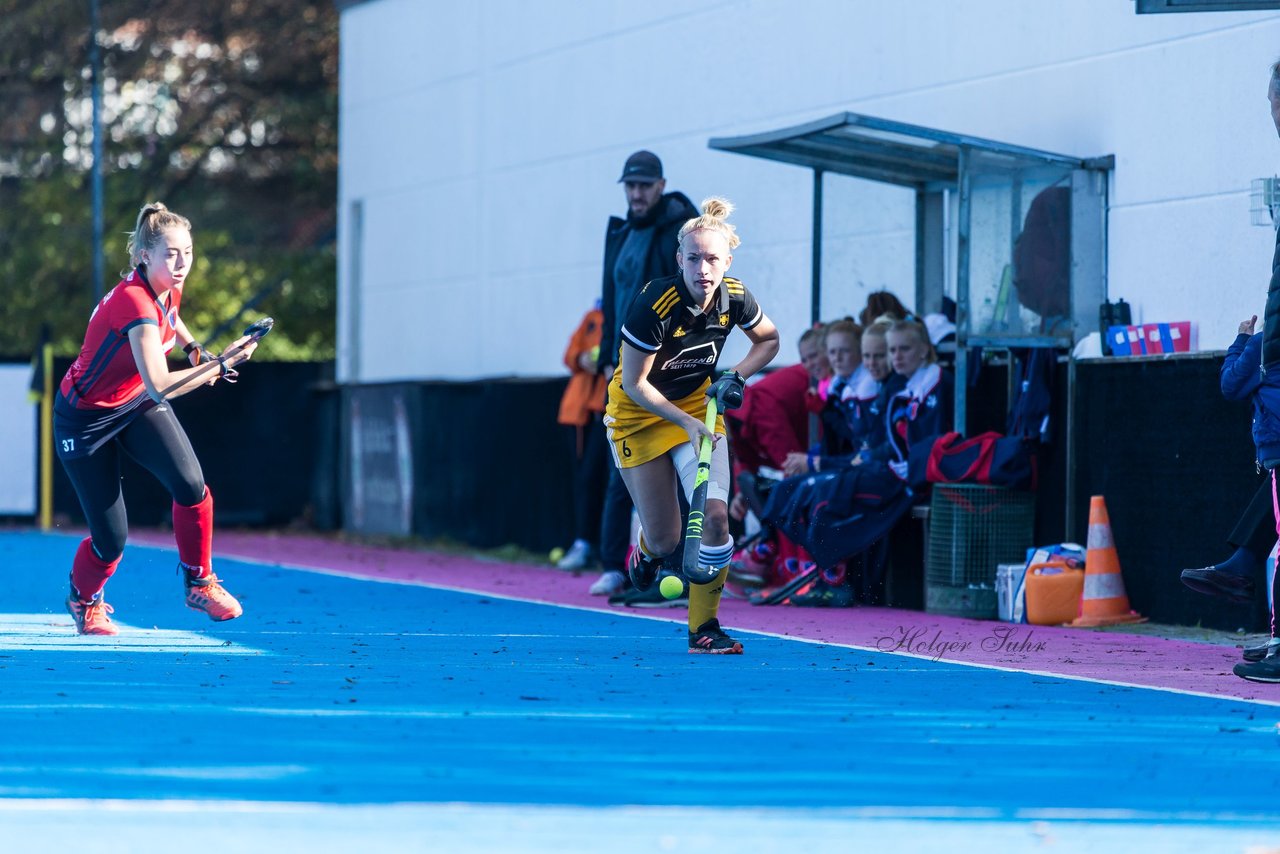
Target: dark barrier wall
pixel 491 465
pixel 1176 464
pixel 259 444
pixel 1173 460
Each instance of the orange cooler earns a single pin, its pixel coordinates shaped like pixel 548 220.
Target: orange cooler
pixel 1053 593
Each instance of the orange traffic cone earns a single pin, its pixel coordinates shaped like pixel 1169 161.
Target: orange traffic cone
pixel 1104 602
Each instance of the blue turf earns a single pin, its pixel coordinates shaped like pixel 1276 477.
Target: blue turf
pixel 380 693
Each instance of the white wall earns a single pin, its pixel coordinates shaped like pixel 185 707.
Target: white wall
pixel 18 436
pixel 484 140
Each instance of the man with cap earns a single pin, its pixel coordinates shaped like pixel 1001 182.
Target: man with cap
pixel 636 249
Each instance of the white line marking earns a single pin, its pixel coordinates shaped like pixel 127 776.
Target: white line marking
pixel 50 632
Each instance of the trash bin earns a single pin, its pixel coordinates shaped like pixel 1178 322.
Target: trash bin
pixel 973 529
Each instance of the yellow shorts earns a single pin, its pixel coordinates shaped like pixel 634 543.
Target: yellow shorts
pixel 637 436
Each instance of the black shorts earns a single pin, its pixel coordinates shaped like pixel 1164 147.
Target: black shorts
pixel 77 433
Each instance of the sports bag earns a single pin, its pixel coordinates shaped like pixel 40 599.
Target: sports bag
pixel 988 458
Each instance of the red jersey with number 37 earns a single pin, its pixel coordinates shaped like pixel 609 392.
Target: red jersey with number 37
pixel 105 374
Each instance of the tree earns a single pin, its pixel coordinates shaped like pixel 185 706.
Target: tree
pixel 227 112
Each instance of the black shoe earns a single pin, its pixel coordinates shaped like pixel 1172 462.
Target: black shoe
pixel 1212 581
pixel 1259 652
pixel 782 593
pixel 1266 670
pixel 642 570
pixel 823 595
pixel 710 639
pixel 652 598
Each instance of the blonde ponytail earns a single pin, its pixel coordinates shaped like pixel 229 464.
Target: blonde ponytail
pixel 153 219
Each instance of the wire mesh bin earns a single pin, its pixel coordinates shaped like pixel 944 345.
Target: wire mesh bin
pixel 972 529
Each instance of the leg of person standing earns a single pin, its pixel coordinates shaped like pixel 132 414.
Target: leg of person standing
pixel 590 478
pixel 1262 663
pixel 1235 578
pixel 615 536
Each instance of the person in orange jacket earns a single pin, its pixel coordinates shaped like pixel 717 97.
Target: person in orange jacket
pixel 581 407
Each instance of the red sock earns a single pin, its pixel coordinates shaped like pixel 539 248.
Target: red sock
pixel 89 573
pixel 193 529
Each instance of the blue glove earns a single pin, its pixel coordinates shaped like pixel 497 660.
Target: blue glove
pixel 727 389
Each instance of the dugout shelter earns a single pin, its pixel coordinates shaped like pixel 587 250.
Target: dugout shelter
pixel 975 202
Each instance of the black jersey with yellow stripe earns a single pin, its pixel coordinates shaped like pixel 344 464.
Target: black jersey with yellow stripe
pixel 665 320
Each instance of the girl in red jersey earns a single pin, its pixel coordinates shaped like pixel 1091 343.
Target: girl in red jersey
pixel 114 398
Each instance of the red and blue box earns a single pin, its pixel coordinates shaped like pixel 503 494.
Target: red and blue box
pixel 1126 340
pixel 1150 338
pixel 1167 337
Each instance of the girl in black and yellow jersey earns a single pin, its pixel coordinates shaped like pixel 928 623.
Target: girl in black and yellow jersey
pixel 672 338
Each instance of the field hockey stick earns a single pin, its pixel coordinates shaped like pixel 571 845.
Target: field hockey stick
pixel 698 504
pixel 255 331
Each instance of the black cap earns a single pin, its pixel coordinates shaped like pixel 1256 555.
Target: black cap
pixel 643 167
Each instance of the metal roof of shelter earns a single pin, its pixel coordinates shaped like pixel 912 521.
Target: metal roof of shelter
pixel 884 150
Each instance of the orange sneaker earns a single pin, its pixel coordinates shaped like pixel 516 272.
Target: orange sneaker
pixel 91 617
pixel 207 595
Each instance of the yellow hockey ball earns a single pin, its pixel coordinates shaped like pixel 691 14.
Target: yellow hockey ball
pixel 556 554
pixel 671 587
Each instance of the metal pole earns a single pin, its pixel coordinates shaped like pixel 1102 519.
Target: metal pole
pixel 922 302
pixel 354 293
pixel 1069 523
pixel 45 510
pixel 95 64
pixel 1008 312
pixel 815 307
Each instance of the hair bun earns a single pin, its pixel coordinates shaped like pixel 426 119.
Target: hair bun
pixel 714 216
pixel 717 208
pixel 151 209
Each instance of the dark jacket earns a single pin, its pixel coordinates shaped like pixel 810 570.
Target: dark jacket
pixel 838 415
pixel 920 410
pixel 861 420
pixel 1271 316
pixel 672 211
pixel 1240 379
